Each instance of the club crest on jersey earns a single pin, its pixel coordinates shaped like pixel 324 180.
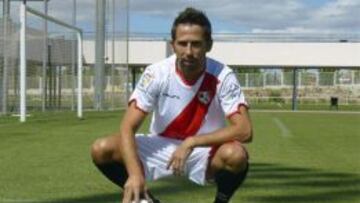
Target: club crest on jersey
pixel 204 97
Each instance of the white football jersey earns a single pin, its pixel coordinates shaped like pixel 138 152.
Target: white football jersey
pixel 181 109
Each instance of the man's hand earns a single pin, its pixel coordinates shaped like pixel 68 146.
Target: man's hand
pixel 134 188
pixel 179 157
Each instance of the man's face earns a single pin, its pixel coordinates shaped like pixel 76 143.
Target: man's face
pixel 190 47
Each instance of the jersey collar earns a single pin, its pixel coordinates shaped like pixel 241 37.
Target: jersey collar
pixel 184 80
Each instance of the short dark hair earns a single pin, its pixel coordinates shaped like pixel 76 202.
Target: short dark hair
pixel 193 16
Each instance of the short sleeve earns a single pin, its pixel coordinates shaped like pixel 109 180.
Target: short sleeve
pixel 146 91
pixel 230 94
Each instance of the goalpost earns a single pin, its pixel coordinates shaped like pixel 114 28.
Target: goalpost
pixel 24 10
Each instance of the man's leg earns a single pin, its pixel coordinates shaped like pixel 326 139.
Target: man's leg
pixel 107 158
pixel 229 166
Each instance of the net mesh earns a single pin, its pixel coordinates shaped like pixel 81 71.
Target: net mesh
pixel 9 56
pixel 116 71
pixel 52 62
pixel 116 76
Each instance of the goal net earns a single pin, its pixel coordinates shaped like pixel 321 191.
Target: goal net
pixel 43 65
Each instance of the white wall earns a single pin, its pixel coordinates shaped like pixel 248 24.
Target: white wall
pixel 240 53
pixel 146 52
pixel 140 52
pixel 288 54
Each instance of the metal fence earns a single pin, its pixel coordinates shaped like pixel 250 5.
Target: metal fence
pixel 313 86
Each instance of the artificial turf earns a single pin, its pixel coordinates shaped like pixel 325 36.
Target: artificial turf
pixel 295 157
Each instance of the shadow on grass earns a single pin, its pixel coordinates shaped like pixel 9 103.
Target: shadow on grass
pixel 292 184
pixel 268 183
pixel 97 198
pixel 173 186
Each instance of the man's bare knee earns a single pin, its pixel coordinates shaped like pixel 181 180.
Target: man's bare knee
pixel 103 150
pixel 98 150
pixel 233 156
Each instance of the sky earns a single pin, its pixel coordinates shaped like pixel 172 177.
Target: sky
pixel 227 16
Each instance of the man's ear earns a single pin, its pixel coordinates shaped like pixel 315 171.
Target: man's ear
pixel 172 45
pixel 209 46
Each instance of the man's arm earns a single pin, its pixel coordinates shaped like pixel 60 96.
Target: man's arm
pixel 240 129
pixel 135 185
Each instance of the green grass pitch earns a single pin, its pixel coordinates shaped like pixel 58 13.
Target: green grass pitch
pixel 295 157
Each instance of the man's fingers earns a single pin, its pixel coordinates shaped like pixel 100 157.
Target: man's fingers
pixel 181 167
pixel 131 195
pixel 136 196
pixel 177 162
pixel 173 164
pixel 177 167
pixel 170 163
pixel 127 195
pixel 147 196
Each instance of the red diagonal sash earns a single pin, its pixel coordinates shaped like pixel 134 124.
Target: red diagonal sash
pixel 189 121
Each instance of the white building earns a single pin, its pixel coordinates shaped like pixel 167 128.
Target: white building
pixel 245 54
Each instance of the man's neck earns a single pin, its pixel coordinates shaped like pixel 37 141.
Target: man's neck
pixel 190 77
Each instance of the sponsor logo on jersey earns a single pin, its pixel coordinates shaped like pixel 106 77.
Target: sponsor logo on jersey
pixel 172 96
pixel 232 91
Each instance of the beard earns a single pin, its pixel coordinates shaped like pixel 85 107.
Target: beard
pixel 190 66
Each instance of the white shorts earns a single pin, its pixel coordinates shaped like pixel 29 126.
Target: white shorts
pixel 155 153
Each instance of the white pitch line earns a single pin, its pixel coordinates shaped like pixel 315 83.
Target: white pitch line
pixel 285 131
